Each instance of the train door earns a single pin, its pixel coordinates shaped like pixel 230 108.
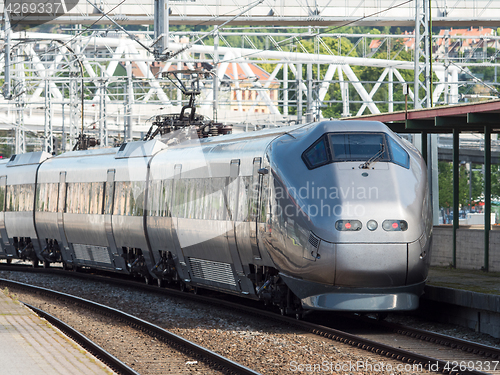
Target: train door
pixel 6 246
pixel 253 207
pixel 118 261
pixel 183 270
pixel 231 196
pixel 61 206
pixel 263 219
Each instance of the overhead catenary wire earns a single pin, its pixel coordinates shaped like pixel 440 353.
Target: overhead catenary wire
pixel 309 35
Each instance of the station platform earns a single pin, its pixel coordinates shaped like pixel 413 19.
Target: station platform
pixel 30 345
pixel 469 298
pixel 467 280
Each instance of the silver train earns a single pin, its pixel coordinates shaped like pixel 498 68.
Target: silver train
pixel 325 216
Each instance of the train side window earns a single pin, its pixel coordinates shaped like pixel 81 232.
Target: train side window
pixel 243 198
pixel 127 194
pixel 85 188
pixel 137 198
pixel 20 197
pixel 109 193
pixel 119 200
pixel 75 198
pixel 61 193
pixel 80 198
pixel 399 156
pixel 46 197
pixel 153 201
pixel 52 197
pixel 164 197
pixel 317 154
pixel 74 204
pixel 193 202
pixel 199 197
pixel 222 210
pixel 10 199
pixel 2 197
pixel 41 197
pixel 158 200
pixel 69 198
pixel 178 198
pixel 190 198
pixel 29 197
pixel 96 191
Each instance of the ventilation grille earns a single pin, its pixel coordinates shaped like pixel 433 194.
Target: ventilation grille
pixel 212 271
pixel 91 253
pixel 313 240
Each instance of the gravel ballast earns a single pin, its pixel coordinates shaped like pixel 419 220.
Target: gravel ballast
pixel 262 345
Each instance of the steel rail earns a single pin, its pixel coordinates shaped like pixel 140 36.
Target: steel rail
pixel 441 339
pixel 109 359
pixel 326 332
pixel 215 360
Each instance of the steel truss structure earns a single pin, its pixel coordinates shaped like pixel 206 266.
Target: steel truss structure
pixel 50 75
pixel 282 12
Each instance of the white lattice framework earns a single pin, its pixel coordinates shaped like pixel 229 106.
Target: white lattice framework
pixel 120 105
pixel 288 12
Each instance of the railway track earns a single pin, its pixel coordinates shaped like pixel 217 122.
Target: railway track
pixel 114 363
pixel 197 352
pixel 413 347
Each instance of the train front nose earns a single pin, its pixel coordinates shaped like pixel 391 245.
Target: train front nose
pixel 365 225
pixel 362 276
pixel 374 265
pixel 357 263
pixel 395 253
pixel 370 253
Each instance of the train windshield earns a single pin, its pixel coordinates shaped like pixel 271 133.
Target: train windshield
pixel 358 147
pixel 343 147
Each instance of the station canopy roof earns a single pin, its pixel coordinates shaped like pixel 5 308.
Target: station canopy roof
pixel 468 117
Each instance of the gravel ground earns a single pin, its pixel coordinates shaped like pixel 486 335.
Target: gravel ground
pixel 444 329
pixel 264 346
pixel 144 354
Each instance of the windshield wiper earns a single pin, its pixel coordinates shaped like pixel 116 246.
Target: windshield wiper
pixel 373 159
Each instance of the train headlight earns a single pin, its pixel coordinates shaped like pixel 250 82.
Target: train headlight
pixel 372 225
pixel 348 225
pixel 395 225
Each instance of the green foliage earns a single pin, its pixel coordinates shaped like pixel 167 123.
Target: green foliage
pixel 495 181
pixel 446 185
pixel 477 182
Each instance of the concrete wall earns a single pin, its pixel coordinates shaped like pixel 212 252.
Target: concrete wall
pixel 477 311
pixel 470 248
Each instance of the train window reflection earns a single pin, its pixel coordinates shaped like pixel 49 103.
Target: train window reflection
pixel 2 197
pixel 129 198
pixel 46 197
pixel 317 154
pixel 357 146
pixel 399 156
pixel 20 197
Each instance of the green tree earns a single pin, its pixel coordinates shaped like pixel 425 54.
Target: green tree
pixel 446 185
